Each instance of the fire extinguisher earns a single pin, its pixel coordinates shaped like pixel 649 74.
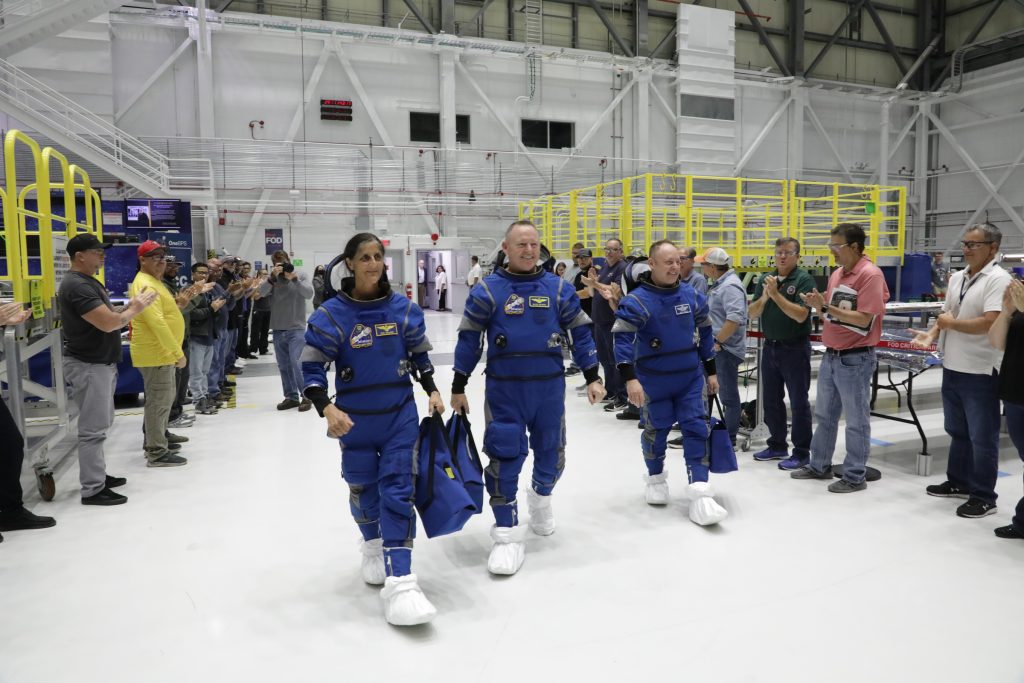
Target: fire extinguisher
pixel 408 290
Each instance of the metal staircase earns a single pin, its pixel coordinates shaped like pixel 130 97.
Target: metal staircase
pixel 86 135
pixel 26 22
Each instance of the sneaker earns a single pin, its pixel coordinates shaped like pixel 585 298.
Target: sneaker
pixel 288 404
pixel 187 401
pixel 304 405
pixel 113 482
pixel 806 472
pixel 404 602
pixel 167 460
pixel 768 454
pixel 630 413
pixel 509 550
pixel 972 509
pixel 656 492
pixel 21 519
pixel 1009 531
pixel 793 462
pixel 676 442
pixel 843 486
pixel 572 370
pixel 946 490
pixel 175 438
pixel 615 406
pixel 205 407
pixel 542 519
pixel 173 446
pixel 105 497
pixel 183 422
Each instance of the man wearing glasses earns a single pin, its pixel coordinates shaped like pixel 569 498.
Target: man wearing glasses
pixel 157 335
pixel 786 355
pixel 689 275
pixel 852 327
pixel 970 383
pixel 604 317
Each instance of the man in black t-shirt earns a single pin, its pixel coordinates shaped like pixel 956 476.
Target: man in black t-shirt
pixel 91 328
pixel 604 317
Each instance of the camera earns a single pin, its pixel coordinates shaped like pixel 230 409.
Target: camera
pixel 287 268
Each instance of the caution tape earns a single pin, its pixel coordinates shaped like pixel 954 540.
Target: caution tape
pixel 899 345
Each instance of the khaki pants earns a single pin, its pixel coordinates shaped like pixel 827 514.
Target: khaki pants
pixel 160 386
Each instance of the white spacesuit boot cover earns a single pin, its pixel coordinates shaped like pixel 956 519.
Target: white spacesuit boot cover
pixel 542 519
pixel 373 562
pixel 508 551
pixel 657 489
pixel 404 602
pixel 703 508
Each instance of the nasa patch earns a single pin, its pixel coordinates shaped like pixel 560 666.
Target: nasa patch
pixel 361 337
pixel 682 309
pixel 515 305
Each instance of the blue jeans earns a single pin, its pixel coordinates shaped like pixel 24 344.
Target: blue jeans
pixel 786 367
pixel 199 362
pixel 231 354
pixel 220 352
pixel 1015 425
pixel 844 388
pixel 727 366
pixel 288 346
pixel 970 404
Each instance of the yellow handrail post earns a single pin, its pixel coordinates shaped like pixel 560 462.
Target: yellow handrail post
pixel 649 209
pixel 626 216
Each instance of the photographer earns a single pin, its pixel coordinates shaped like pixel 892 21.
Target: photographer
pixel 291 289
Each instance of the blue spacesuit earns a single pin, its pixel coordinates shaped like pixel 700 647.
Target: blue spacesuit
pixel 376 347
pixel 525 318
pixel 663 339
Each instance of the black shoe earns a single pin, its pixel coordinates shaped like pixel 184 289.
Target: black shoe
pixel 187 402
pixel 946 490
pixel 974 508
pixel 233 371
pixel 304 405
pixel 248 356
pixel 174 446
pixel 615 406
pixel 630 413
pixel 114 482
pixel 808 473
pixel 105 497
pixel 206 407
pixel 676 442
pixel 572 370
pixel 264 353
pixel 20 519
pixel 229 383
pixel 1009 532
pixel 288 404
pixel 167 460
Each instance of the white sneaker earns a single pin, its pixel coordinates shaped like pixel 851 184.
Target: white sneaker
pixel 657 489
pixel 508 551
pixel 542 519
pixel 404 602
pixel 373 562
pixel 703 508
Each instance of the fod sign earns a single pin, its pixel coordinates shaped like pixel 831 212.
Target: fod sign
pixel 274 239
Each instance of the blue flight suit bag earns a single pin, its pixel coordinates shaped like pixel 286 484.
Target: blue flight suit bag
pixel 441 499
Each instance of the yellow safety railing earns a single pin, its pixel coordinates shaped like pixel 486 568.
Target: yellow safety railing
pixel 742 215
pixel 17 230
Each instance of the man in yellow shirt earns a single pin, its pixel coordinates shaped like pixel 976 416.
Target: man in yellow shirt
pixel 156 351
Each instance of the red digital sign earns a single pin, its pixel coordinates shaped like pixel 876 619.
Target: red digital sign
pixel 335 103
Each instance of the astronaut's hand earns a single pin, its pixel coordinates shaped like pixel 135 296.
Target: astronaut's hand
pixel 712 385
pixel 436 403
pixel 595 391
pixel 338 423
pixel 459 404
pixel 635 393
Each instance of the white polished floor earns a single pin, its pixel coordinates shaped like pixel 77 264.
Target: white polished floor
pixel 243 566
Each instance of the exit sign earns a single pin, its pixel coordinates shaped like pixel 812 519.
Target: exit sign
pixel 335 110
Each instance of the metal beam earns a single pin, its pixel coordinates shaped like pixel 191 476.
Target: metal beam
pixel 886 38
pixel 308 90
pixel 640 37
pixel 896 145
pixel 224 5
pixel 854 9
pixel 153 78
pixel 917 63
pixel 978 173
pixel 999 186
pixel 795 45
pixel 596 125
pixel 612 31
pixel 765 40
pixel 762 135
pixel 828 141
pixel 664 41
pixel 967 8
pixel 993 8
pixel 448 16
pixel 411 4
pixel 665 108
pixel 480 12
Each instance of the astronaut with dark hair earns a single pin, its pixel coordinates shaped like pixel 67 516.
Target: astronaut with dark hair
pixel 525 313
pixel 663 349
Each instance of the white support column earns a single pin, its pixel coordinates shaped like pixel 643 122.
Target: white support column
pixel 204 73
pixel 643 114
pixel 884 123
pixel 795 163
pixel 895 146
pixel 921 142
pixel 446 59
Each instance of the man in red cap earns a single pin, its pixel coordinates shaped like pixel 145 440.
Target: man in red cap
pixel 156 350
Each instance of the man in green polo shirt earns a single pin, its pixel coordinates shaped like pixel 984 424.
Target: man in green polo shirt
pixel 786 354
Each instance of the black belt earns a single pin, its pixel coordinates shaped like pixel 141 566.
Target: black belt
pixel 843 352
pixel 797 341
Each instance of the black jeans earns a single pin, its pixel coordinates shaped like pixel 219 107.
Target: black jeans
pixel 787 366
pixel 259 332
pixel 12 456
pixel 606 355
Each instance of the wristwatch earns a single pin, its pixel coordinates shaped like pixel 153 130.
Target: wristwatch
pixel 824 309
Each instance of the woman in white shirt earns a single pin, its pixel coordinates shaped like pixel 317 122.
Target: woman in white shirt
pixel 441 287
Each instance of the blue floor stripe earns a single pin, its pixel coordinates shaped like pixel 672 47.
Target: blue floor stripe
pixel 1003 474
pixel 879 442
